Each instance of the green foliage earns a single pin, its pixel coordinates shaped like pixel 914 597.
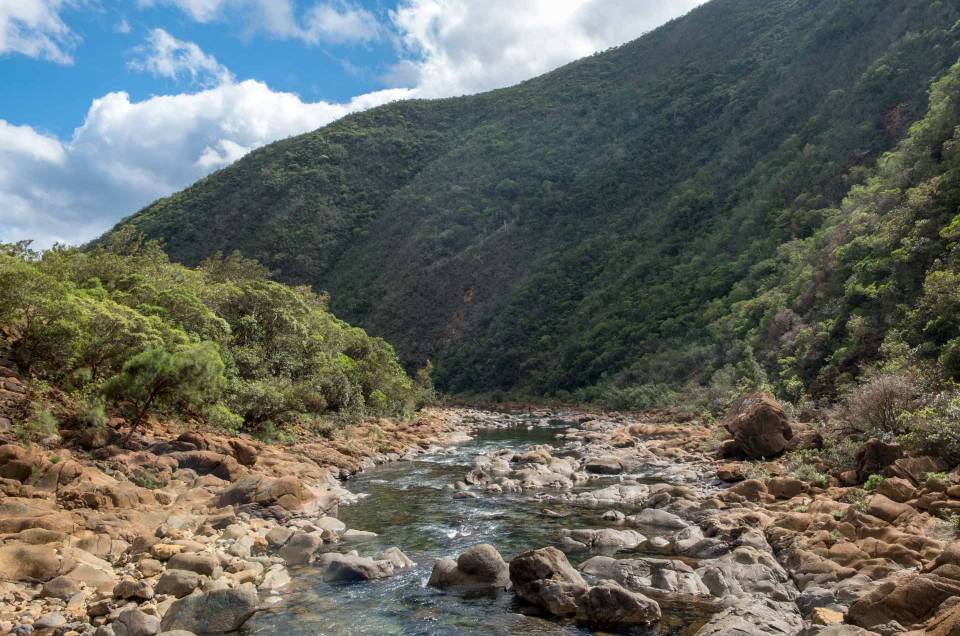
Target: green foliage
pixel 220 416
pixel 804 466
pixel 707 207
pixel 935 428
pixel 40 424
pixel 873 481
pixel 222 341
pixel 186 378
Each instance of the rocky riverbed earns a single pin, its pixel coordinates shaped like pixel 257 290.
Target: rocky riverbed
pixel 472 522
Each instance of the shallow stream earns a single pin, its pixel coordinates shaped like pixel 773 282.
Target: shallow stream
pixel 410 505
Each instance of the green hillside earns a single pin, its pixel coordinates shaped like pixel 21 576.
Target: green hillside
pixel 633 222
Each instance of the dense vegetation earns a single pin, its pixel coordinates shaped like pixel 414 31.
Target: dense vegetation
pixel 697 210
pixel 224 343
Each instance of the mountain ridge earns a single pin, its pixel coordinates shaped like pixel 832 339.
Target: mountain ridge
pixel 583 229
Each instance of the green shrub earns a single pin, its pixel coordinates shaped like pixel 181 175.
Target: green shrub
pixel 935 428
pixel 223 418
pixel 872 482
pixel 190 377
pixel 41 424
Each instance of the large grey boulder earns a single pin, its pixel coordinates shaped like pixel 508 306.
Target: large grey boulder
pixel 348 567
pixel 753 615
pixel 545 578
pixel 178 583
pixel 300 548
pixel 205 564
pixel 646 574
pixel 480 567
pixel 134 622
pixel 610 605
pixel 213 612
pixel 607 539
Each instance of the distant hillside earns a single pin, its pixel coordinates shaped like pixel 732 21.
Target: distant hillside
pixel 627 223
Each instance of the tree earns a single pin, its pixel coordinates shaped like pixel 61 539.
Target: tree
pixel 191 376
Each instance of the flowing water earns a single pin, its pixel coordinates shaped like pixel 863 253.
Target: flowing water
pixel 409 505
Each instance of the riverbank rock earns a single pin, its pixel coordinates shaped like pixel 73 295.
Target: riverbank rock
pixel 349 567
pixel 910 600
pixel 754 616
pixel 213 612
pixel 610 605
pixel 480 567
pixel 647 574
pixel 545 578
pixel 759 426
pixel 874 456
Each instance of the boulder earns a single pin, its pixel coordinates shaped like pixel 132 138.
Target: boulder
pixel 214 612
pixel 201 563
pixel 300 548
pixel 605 465
pixel 178 583
pixel 479 567
pixel 653 517
pixel 909 600
pixel 348 567
pixel 545 578
pixel 646 574
pixel 60 587
pixel 915 469
pixel 30 563
pixel 134 622
pixel 206 462
pixel 244 452
pixel 754 616
pixel 785 487
pixel 610 605
pixel 897 489
pixel 129 588
pixel 759 426
pixel 874 456
pixel 607 539
pixel 287 492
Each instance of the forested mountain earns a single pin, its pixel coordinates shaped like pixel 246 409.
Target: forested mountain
pixel 697 207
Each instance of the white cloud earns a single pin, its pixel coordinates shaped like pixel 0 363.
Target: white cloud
pixel 26 143
pixel 332 21
pixel 338 23
pixel 129 153
pixel 34 28
pixel 457 47
pixel 123 26
pixel 166 56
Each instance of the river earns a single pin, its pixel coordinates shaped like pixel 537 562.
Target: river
pixel 410 505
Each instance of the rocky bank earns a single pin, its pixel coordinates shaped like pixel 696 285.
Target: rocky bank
pixel 189 532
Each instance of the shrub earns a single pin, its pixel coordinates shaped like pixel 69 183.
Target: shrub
pixel 875 406
pixel 935 428
pixel 94 415
pixel 41 424
pixel 188 377
pixel 219 416
pixel 873 482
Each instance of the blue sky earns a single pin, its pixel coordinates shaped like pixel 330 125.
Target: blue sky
pixel 106 105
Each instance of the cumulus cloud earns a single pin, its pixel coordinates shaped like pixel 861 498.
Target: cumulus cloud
pixel 34 28
pixel 165 56
pixel 128 153
pixel 456 47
